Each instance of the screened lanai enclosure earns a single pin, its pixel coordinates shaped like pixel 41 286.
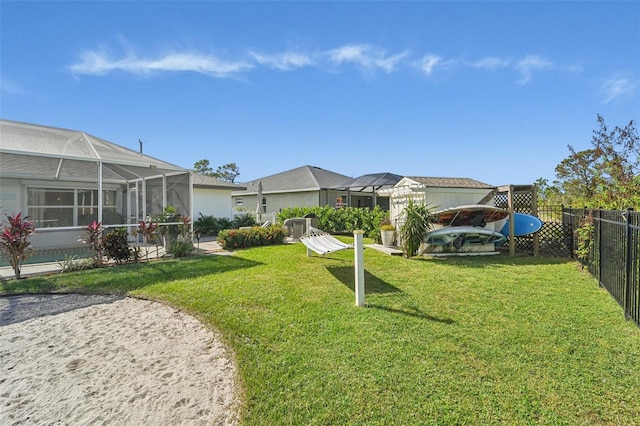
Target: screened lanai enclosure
pixel 66 179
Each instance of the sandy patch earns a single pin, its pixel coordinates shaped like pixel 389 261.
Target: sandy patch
pixel 70 359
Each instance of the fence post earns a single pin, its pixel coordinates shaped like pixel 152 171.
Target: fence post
pixel 512 238
pixel 599 246
pixel 534 211
pixel 628 264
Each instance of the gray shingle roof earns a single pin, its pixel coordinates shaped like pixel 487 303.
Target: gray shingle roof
pixel 305 178
pixel 449 182
pixel 203 181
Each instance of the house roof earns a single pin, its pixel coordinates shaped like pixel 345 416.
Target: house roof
pixel 204 181
pixel 42 152
pixel 371 182
pixel 450 182
pixel 304 178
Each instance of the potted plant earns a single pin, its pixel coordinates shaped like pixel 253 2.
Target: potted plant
pixel 387 233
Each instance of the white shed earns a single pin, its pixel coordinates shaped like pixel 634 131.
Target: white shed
pixel 437 193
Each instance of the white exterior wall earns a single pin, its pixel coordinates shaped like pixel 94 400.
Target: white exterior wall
pixel 212 202
pixel 284 200
pixel 443 198
pixel 434 198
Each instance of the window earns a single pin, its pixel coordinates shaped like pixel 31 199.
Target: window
pixel 239 202
pixel 54 207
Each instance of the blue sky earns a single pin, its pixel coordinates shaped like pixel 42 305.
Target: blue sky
pixel 492 91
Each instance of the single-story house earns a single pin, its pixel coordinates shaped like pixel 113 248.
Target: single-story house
pixel 310 186
pixel 65 179
pixel 212 197
pixel 365 191
pixel 306 186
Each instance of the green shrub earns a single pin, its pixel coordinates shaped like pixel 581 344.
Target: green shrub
pixel 230 239
pixel 210 225
pixel 584 236
pixel 341 221
pixel 243 220
pixel 75 263
pixel 116 246
pixel 181 247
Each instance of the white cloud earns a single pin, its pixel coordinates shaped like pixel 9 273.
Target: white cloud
pixel 364 56
pixel 530 64
pixel 490 63
pixel 428 63
pixel 285 61
pixel 618 87
pixel 100 63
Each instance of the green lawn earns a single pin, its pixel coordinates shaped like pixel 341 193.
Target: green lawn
pixel 476 340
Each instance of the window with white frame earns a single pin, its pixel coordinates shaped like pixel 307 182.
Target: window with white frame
pixel 56 207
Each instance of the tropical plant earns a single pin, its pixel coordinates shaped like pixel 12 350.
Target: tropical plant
pixel 416 220
pixel 116 246
pixel 243 220
pixel 93 238
pixel 150 232
pixel 14 240
pixel 182 245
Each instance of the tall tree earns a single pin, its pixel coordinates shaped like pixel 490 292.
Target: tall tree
pixel 578 175
pixel 202 167
pixel 606 175
pixel 229 172
pixel 619 165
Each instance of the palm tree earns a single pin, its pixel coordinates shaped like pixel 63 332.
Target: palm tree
pixel 416 222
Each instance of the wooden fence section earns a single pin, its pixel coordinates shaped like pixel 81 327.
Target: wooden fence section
pixel 613 252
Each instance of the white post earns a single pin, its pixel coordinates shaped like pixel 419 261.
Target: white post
pixel 359 266
pixel 307 227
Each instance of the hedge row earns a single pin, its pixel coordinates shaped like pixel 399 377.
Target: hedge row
pixel 341 221
pixel 230 239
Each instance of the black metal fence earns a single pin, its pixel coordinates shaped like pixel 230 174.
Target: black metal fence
pixel 611 252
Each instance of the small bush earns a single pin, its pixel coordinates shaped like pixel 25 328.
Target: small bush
pixel 244 220
pixel 341 221
pixel 209 225
pixel 181 247
pixel 257 236
pixel 115 245
pixel 75 263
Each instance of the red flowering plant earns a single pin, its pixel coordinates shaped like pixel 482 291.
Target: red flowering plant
pixel 150 232
pixel 93 237
pixel 14 240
